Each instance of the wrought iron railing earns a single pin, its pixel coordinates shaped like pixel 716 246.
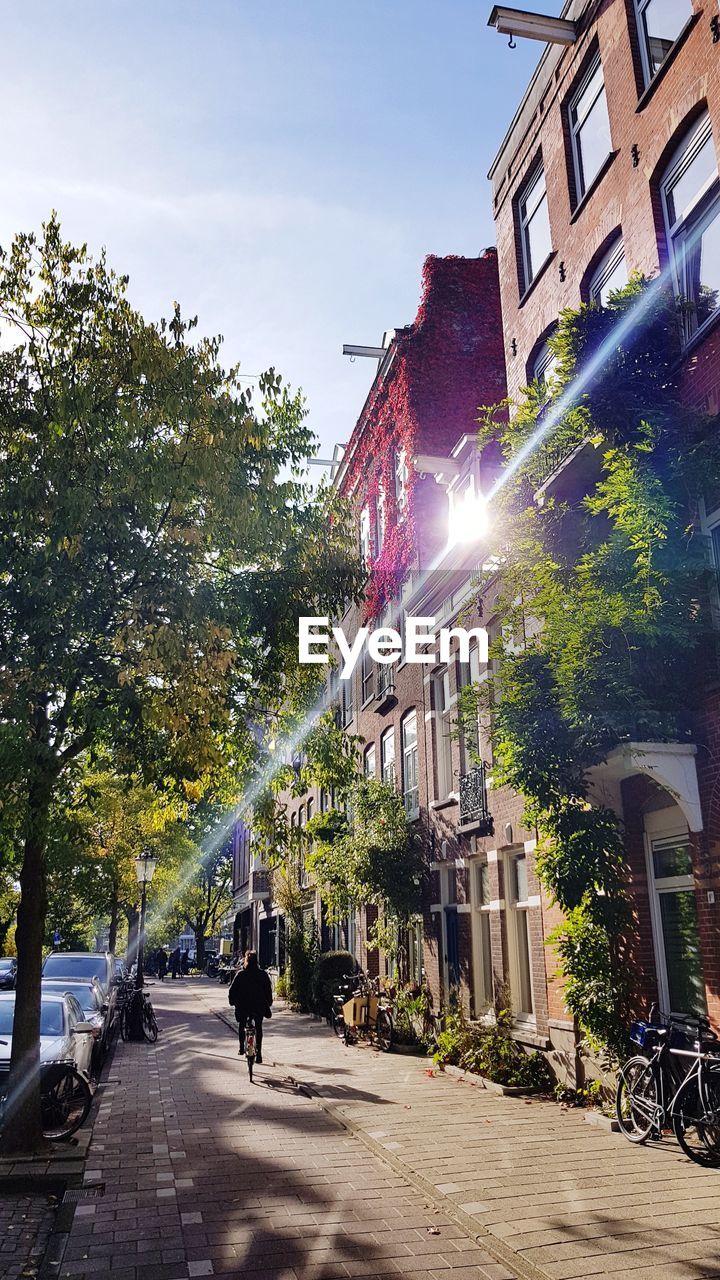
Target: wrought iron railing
pixel 473 798
pixel 385 680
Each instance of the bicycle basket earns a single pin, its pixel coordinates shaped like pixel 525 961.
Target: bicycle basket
pixel 644 1034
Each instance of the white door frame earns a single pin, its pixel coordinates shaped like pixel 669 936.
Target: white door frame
pixel 663 824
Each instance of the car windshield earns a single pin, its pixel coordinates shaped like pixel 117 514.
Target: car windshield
pixel 5 964
pixel 58 965
pixel 87 997
pixel 51 1017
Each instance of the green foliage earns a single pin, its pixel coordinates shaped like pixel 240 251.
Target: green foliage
pixel 330 966
pixel 412 1006
pixel 374 857
pixel 488 1049
pixel 301 957
pixel 281 987
pixel 600 595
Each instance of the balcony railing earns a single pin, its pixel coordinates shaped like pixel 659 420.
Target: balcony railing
pixel 474 809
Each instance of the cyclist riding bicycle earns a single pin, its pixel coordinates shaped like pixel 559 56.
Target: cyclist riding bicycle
pixel 251 995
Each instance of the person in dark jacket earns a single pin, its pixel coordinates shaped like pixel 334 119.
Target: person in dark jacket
pixel 161 963
pixel 185 963
pixel 175 962
pixel 251 994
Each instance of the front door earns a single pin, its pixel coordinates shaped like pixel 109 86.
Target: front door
pixel 673 905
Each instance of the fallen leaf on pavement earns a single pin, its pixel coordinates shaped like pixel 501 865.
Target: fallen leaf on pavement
pixel 433 1231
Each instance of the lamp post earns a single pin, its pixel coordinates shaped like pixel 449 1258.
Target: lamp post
pixel 145 865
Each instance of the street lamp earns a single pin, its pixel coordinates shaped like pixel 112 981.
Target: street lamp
pixel 145 865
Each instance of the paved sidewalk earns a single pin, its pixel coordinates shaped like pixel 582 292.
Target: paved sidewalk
pixel 568 1199
pixel 207 1174
pixel 25 1225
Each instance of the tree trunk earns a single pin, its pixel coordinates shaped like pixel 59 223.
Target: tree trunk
pixel 23 1129
pixel 199 945
pixel 133 919
pixel 114 911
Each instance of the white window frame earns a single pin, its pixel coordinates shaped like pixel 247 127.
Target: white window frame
pixel 346 702
pixel 387 759
pixel 442 704
pixel 370 761
pixel 380 521
pixel 663 824
pixel 644 41
pixel 483 980
pixel 367 678
pixel 402 477
pixel 517 914
pixel 605 270
pixel 365 545
pixel 577 124
pixel 526 215
pixel 410 761
pixel 704 210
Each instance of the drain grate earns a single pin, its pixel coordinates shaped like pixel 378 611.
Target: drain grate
pixel 95 1191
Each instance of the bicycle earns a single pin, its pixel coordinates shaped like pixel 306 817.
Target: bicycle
pixel 126 1016
pixel 65 1099
pixel 250 1043
pixel 363 1015
pixel 656 1091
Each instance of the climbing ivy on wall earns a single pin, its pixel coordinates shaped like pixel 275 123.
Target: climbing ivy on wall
pixel 612 589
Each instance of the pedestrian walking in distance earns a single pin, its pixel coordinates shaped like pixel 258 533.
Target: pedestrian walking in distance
pixel 175 962
pixel 251 994
pixel 184 963
pixel 161 963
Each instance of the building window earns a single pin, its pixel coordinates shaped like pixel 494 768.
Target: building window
pixel 443 735
pixel 675 924
pixel 610 274
pixel 346 701
pixel 543 369
pixel 401 482
pixel 482 949
pixel 325 800
pixel 380 517
pixel 691 204
pixel 468 676
pixel 534 226
pixel 367 677
pixel 519 936
pixel 365 550
pixel 589 129
pixel 387 757
pixel 659 25
pixel 369 761
pixel 411 796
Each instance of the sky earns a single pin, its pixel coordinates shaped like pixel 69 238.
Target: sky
pixel 280 167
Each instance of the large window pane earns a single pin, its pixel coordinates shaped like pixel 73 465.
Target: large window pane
pixel 678 914
pixel 661 22
pixel 535 226
pixel 691 195
pixel 591 130
pixel 688 182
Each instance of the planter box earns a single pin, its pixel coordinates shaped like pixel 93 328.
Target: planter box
pixel 507 1090
pixel 414 1050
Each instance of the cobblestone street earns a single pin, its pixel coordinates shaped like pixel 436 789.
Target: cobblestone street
pixel 341 1163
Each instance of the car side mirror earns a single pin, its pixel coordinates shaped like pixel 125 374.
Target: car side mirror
pixel 84 1028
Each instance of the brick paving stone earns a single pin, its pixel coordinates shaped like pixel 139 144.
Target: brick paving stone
pixel 569 1199
pixel 208 1174
pixel 26 1222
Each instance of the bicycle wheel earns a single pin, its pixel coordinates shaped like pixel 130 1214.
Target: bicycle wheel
pixel 338 1025
pixel 696 1119
pixel 149 1024
pixel 65 1099
pixel 637 1099
pixel 383 1031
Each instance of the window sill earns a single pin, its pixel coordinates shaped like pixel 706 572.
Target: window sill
pixel 368 702
pixel 537 278
pixel 445 803
pixel 659 76
pixel 698 337
pixel 587 197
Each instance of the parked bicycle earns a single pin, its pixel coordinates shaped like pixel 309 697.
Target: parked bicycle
pixel 362 1014
pixel 128 998
pixel 65 1099
pixel 674 1082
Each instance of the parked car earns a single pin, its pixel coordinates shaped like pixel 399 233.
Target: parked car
pixel 8 973
pixel 65 1036
pixel 82 966
pixel 91 998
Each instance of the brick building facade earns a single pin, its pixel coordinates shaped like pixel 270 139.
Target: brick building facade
pixel 610 166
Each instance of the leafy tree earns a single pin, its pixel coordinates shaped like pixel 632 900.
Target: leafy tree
pixel 204 901
pixel 156 548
